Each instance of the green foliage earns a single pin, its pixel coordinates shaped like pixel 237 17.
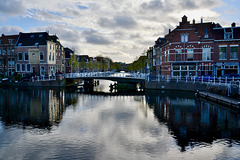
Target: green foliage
pixel 82 64
pixel 74 63
pixel 138 65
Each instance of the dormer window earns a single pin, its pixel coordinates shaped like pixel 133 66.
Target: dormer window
pixel 36 44
pixel 40 35
pixel 228 33
pixel 206 34
pixel 32 36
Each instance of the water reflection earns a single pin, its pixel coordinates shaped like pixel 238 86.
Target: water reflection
pixel 39 108
pixel 192 121
pixel 60 124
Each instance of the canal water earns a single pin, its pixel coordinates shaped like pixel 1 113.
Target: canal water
pixel 68 124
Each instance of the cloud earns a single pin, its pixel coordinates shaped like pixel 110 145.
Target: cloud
pixel 129 26
pixel 94 37
pixel 152 5
pixel 11 7
pixel 118 22
pixel 10 30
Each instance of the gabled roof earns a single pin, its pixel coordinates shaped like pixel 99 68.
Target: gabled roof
pixel 33 39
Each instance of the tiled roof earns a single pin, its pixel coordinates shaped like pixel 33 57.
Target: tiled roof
pixel 31 39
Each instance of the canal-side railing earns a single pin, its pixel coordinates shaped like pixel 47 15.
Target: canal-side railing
pixel 229 82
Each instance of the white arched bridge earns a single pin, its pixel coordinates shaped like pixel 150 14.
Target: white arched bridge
pixel 113 76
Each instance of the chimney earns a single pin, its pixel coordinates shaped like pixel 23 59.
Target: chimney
pixel 201 20
pixel 169 30
pixel 233 24
pixel 193 21
pixel 184 19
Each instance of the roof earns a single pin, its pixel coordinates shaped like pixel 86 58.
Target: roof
pixel 219 32
pixel 31 39
pixel 5 39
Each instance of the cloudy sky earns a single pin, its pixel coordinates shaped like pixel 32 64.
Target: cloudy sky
pixel 119 29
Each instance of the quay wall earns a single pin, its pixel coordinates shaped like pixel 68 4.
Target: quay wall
pixel 183 86
pixel 52 83
pixel 223 90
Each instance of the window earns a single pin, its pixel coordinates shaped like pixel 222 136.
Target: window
pixel 178 54
pixel 228 35
pixel 10 41
pixel 190 54
pixel 26 57
pixel 0 51
pixel 23 68
pixel 11 62
pixel 28 67
pixel 20 56
pixel 206 54
pixel 4 52
pixel 184 38
pixel 53 56
pixel 0 41
pixel 234 52
pixel 222 52
pixel 18 67
pixel 41 56
pixel 50 56
pixel 50 46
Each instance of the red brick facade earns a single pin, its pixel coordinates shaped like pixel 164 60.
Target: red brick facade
pixel 188 50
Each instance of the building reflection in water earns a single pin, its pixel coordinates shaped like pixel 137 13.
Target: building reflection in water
pixel 192 121
pixel 39 108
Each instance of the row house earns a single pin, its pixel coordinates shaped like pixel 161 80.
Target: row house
pixel 38 53
pixel 7 56
pixel 60 54
pixel 68 54
pixel 227 42
pixel 157 54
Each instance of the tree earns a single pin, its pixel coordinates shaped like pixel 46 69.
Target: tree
pixel 90 65
pixel 82 64
pixel 138 65
pixel 74 63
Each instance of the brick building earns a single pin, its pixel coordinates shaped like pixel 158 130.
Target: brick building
pixel 188 50
pixel 227 42
pixel 7 56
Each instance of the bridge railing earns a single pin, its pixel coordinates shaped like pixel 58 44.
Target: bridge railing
pixel 107 74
